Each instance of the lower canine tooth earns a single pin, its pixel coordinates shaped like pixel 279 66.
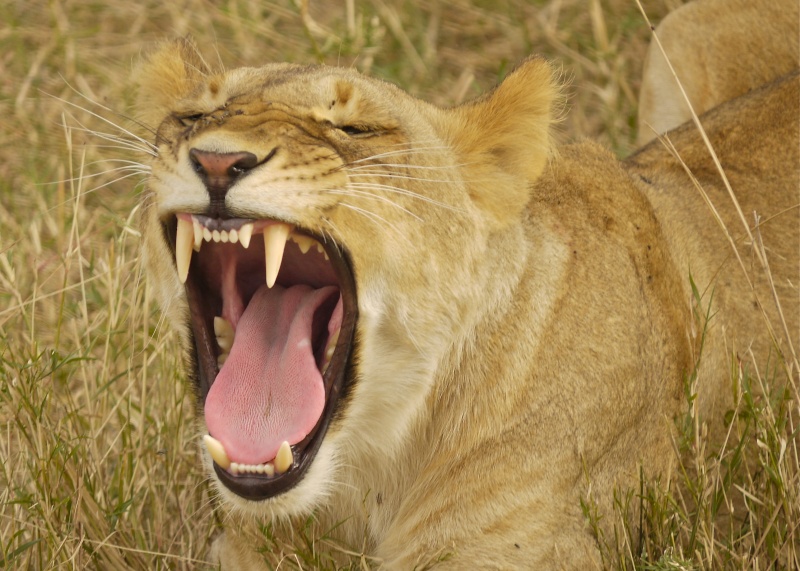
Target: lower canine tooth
pixel 217 451
pixel 284 458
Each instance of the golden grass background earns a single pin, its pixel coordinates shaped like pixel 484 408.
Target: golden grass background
pixel 98 451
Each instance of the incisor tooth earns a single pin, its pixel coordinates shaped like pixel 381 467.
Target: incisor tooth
pixel 223 235
pixel 274 243
pixel 206 234
pixel 198 234
pixel 234 236
pixel 217 451
pixel 284 458
pixel 183 248
pixel 303 242
pixel 245 233
pixel 215 234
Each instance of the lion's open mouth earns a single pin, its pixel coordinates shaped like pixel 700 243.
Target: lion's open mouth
pixel 273 314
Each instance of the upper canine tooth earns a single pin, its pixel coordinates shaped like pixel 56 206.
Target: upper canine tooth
pixel 275 236
pixel 245 233
pixel 217 451
pixel 284 458
pixel 184 241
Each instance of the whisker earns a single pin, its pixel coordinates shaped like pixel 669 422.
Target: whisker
pixel 377 220
pixel 365 169
pixel 403 192
pixel 122 129
pixel 399 152
pixel 106 108
pixel 109 183
pixel 369 195
pixel 368 174
pixel 132 169
pixel 126 144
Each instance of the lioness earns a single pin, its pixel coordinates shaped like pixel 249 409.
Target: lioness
pixel 719 49
pixel 430 326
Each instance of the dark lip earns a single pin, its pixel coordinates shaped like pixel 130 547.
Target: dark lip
pixel 256 487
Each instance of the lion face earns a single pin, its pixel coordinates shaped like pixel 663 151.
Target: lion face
pixel 319 238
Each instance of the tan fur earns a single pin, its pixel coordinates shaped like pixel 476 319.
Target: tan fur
pixel 720 49
pixel 525 322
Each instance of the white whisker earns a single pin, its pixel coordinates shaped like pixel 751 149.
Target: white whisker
pixel 377 220
pixel 372 174
pixel 122 143
pixel 399 152
pixel 403 192
pixel 133 168
pixel 110 182
pixel 372 196
pixel 122 129
pixel 365 168
pixel 110 110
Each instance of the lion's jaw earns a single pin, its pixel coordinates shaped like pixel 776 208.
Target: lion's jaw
pixel 405 199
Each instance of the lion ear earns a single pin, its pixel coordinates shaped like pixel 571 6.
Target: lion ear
pixel 503 138
pixel 169 74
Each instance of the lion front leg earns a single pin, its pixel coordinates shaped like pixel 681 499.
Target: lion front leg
pixel 554 541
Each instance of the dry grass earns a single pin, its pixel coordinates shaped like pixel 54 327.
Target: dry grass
pixel 98 450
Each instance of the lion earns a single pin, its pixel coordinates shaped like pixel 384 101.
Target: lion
pixel 432 328
pixel 719 49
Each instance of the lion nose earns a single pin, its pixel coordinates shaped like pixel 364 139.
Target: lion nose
pixel 220 170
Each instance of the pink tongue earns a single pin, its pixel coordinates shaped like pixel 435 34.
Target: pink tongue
pixel 270 389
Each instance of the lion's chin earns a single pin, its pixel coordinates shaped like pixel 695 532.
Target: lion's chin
pixel 272 359
pixel 313 490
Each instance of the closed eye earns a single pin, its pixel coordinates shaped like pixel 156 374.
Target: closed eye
pixel 189 120
pixel 359 130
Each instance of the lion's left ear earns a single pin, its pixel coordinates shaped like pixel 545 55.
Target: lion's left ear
pixel 503 139
pixel 172 72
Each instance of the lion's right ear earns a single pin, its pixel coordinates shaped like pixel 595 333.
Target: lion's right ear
pixel 171 73
pixel 503 138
